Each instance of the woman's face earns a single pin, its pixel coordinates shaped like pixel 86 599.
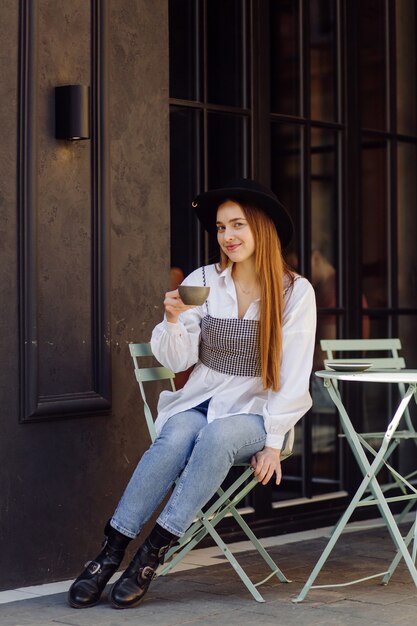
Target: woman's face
pixel 233 232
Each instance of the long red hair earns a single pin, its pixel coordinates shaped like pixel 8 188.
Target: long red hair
pixel 271 270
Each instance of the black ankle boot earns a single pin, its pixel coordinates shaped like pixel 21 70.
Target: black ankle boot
pixel 86 590
pixel 131 587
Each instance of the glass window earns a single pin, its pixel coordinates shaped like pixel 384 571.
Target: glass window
pixel 286 142
pixel 184 50
pixel 406 66
pixel 227 52
pixel 324 223
pixel 323 60
pixel 407 225
pixel 374 222
pixel 324 448
pixel 372 63
pixel 285 57
pixel 185 182
pixel 324 196
pixel 228 149
pixel 407 334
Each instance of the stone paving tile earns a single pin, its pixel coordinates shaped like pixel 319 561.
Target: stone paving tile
pixel 235 619
pixel 379 594
pixel 374 613
pixel 410 601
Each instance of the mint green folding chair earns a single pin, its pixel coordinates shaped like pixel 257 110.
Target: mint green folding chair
pixel 225 501
pixel 383 354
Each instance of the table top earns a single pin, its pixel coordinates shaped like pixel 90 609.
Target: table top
pixel 372 376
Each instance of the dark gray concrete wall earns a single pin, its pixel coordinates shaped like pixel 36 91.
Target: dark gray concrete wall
pixel 84 231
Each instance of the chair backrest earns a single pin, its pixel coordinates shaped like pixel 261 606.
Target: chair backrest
pixel 382 353
pixel 368 351
pixel 148 374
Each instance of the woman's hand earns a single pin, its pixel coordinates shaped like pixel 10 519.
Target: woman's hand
pixel 265 463
pixel 174 306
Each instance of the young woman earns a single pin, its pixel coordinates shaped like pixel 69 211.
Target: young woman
pixel 251 345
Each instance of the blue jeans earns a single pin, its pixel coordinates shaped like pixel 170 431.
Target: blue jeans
pixel 201 454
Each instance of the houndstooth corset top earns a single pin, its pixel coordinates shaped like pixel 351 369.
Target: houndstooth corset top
pixel 230 346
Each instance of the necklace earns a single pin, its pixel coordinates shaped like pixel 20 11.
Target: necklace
pixel 245 291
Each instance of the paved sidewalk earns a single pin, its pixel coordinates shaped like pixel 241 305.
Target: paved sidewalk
pixel 208 592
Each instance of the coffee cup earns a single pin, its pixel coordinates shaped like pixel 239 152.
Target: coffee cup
pixel 195 295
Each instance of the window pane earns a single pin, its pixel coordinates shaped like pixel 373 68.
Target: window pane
pixel 407 225
pixel 184 54
pixel 285 57
pixel 407 334
pixel 324 184
pixel 406 65
pixel 185 177
pixel 227 52
pixel 324 277
pixel 325 445
pixel 227 137
pixel 376 408
pixel 372 64
pixel 323 60
pixel 374 222
pixel 286 177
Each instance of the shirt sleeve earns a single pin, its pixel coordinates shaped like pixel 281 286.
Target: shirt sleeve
pixel 177 345
pixel 287 405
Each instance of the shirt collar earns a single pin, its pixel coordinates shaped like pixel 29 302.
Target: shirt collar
pixel 227 273
pixel 226 276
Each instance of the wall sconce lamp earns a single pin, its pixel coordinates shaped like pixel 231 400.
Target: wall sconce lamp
pixel 72 112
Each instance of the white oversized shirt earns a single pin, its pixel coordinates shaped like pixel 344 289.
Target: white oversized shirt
pixel 177 346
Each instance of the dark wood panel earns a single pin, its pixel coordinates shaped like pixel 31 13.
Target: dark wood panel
pixel 63 241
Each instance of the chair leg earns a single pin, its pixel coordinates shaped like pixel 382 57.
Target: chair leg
pixel 276 571
pixel 209 529
pixel 411 536
pixel 233 562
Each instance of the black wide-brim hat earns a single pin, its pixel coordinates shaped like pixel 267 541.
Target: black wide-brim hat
pixel 245 191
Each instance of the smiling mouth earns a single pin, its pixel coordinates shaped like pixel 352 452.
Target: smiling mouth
pixel 232 248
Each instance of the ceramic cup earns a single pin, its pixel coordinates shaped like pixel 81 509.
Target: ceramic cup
pixel 193 295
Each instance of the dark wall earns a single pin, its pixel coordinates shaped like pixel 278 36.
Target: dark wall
pixel 84 231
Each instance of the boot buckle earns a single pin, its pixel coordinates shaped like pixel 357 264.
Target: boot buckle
pixel 93 567
pixel 147 573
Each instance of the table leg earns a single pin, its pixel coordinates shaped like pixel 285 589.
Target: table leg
pixel 412 535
